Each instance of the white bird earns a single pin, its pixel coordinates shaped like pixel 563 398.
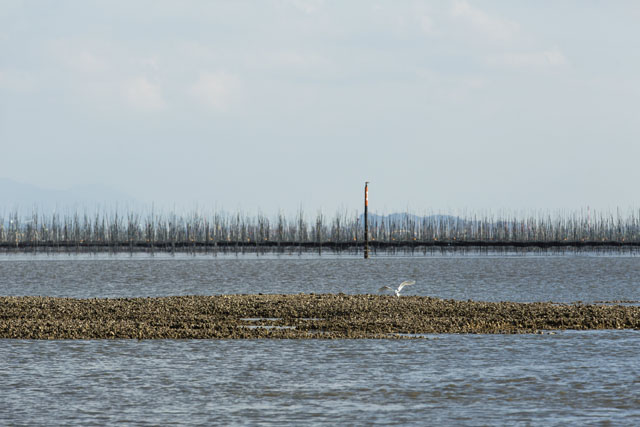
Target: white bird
pixel 400 286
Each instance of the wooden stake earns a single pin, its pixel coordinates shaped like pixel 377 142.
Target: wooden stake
pixel 366 220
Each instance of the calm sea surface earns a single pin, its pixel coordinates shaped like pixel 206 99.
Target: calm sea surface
pixel 567 378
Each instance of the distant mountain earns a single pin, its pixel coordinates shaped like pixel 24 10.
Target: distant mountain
pixel 403 216
pixel 17 196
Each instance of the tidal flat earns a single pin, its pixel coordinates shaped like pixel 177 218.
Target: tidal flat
pixel 297 316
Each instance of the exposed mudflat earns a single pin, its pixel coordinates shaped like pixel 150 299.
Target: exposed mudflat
pixel 323 316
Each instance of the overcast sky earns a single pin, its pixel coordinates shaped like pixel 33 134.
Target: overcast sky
pixel 268 105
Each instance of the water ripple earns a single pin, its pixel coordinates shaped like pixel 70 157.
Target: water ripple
pixel 571 377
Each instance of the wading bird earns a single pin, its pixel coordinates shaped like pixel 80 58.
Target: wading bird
pixel 400 286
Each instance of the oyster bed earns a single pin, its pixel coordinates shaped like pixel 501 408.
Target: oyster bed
pixel 323 316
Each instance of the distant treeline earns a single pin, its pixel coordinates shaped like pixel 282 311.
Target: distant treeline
pixel 196 232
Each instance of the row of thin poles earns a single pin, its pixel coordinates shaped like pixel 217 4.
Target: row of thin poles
pixel 117 228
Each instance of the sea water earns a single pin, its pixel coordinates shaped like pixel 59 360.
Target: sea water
pixel 569 377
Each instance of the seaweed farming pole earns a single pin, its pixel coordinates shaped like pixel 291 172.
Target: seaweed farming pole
pixel 366 219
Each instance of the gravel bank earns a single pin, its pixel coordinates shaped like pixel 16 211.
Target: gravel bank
pixel 294 316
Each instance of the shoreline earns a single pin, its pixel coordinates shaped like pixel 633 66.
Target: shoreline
pixel 270 246
pixel 300 316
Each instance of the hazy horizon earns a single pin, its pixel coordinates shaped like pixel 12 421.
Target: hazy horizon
pixel 103 201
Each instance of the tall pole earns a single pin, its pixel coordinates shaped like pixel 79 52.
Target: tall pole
pixel 366 220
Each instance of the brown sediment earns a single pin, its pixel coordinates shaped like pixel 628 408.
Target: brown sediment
pixel 323 316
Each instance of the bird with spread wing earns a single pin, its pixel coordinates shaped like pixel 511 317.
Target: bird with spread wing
pixel 400 286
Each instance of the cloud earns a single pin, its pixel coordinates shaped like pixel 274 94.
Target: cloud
pixel 80 55
pixel 216 90
pixel 87 62
pixel 542 59
pixel 306 6
pixel 17 81
pixel 144 95
pixel 493 27
pixel 426 24
pixel 150 63
pixel 288 61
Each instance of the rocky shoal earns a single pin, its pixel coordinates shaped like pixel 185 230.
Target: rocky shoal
pixel 324 316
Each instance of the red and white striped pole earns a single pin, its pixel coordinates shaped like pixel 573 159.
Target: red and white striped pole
pixel 366 220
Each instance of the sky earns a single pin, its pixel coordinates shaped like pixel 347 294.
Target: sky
pixel 284 105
